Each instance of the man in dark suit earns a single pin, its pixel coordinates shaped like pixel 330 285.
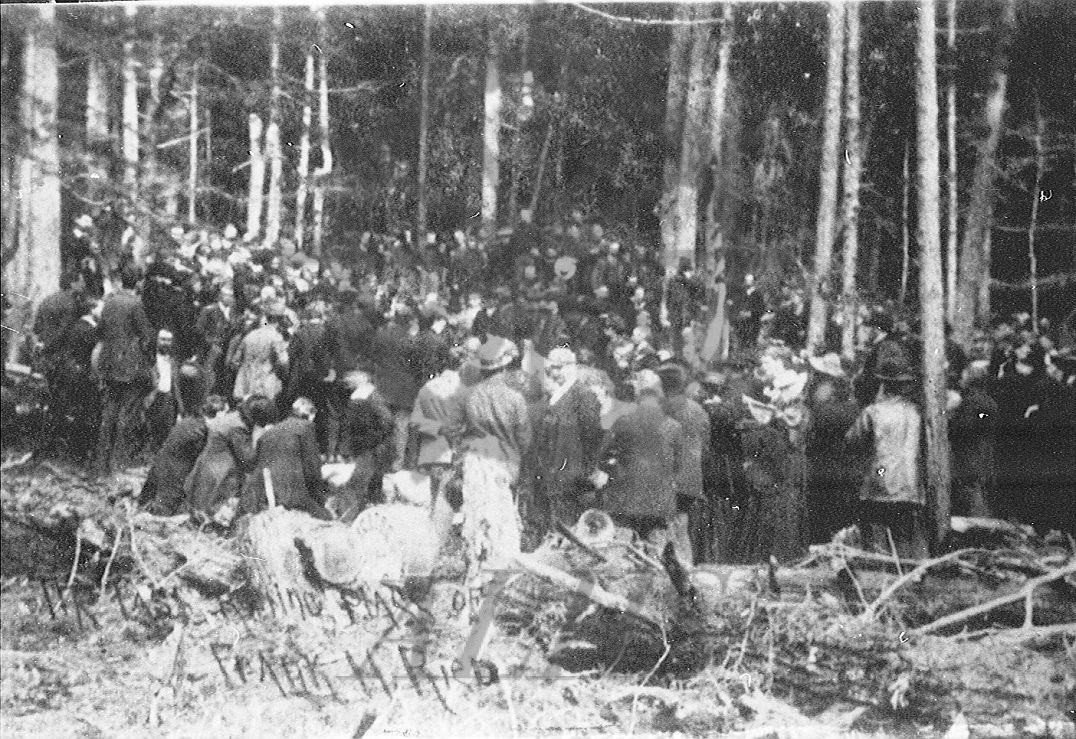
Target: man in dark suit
pixel 214 328
pixel 289 451
pixel 126 336
pixel 567 440
pixel 55 316
pixel 693 519
pixel 162 494
pixel 311 373
pixel 644 453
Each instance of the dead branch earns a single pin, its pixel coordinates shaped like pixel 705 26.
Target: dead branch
pixel 589 590
pixel 913 576
pixel 1023 593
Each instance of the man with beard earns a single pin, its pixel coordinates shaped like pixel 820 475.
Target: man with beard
pixel 567 439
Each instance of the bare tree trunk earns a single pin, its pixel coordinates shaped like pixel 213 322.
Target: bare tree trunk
pixel 322 173
pixel 680 45
pixel 543 156
pixel 830 167
pixel 273 152
pixel 977 222
pixel 951 170
pixel 693 147
pixel 931 296
pixel 715 241
pixel 192 151
pixel 905 236
pixel 257 179
pixel 151 187
pixel 130 108
pixel 983 286
pixel 34 269
pixel 517 135
pixel 96 100
pixel 423 127
pixel 303 170
pixel 491 139
pixel 1040 169
pixel 851 185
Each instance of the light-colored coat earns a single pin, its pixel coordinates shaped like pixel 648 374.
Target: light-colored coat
pixel 888 430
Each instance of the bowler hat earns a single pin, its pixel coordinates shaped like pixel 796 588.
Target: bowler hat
pixel 496 353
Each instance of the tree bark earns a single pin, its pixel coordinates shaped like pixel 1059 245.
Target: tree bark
pixel 257 179
pixel 273 153
pixel 96 100
pixel 423 127
pixel 130 108
pixel 303 170
pixel 931 296
pixel 34 269
pixel 1040 168
pixel 151 186
pixel 693 147
pixel 322 173
pixel 543 157
pixel 905 227
pixel 192 152
pixel 952 248
pixel 852 173
pixel 827 201
pixel 680 45
pixel 974 270
pixel 491 139
pixel 715 241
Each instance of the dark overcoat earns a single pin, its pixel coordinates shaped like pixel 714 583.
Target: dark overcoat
pixel 162 492
pixel 645 447
pixel 289 450
pixel 695 442
pixel 218 472
pixel 567 440
pixel 126 335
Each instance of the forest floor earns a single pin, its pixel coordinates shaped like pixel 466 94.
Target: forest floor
pixel 118 664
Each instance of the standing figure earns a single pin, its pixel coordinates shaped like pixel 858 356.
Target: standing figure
pixel 259 357
pixel 369 437
pixel 498 434
pixel 643 453
pixel 126 336
pixel 164 404
pixel 891 494
pixel 567 440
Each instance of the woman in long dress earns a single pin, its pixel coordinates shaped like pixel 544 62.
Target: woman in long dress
pixel 259 357
pixel 228 456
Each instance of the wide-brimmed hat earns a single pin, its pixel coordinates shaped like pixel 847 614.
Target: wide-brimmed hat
pixel 894 370
pixel 827 364
pixel 496 353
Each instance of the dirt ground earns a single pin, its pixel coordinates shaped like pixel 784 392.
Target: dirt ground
pixel 117 665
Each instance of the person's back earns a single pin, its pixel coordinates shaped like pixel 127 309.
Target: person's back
pixel 289 451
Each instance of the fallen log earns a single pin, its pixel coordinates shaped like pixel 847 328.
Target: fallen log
pixel 1024 593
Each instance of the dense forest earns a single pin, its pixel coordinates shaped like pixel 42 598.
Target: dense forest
pixel 772 138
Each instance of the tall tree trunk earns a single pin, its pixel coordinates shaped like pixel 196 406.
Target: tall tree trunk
pixel 680 45
pixel 192 151
pixel 96 100
pixel 522 117
pixel 130 108
pixel 830 167
pixel 855 150
pixel 151 187
pixel 905 227
pixel 34 269
pixel 974 269
pixel 303 170
pixel 931 296
pixel 543 156
pixel 257 179
pixel 693 147
pixel 491 139
pixel 423 127
pixel 951 169
pixel 1040 169
pixel 715 241
pixel 273 152
pixel 322 173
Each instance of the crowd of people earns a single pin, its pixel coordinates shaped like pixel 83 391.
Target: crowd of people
pixel 543 374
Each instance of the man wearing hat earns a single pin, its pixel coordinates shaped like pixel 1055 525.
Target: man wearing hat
pixel 891 492
pixel 567 439
pixel 691 522
pixel 496 407
pixel 831 483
